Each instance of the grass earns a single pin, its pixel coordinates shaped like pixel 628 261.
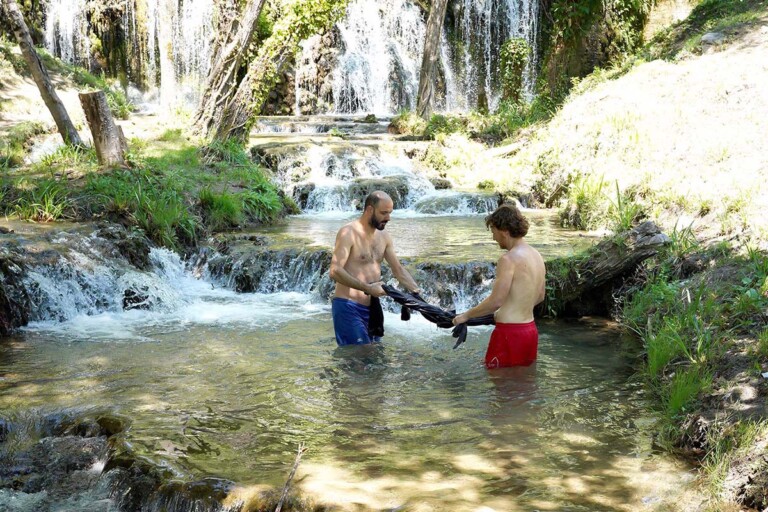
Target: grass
pixel 728 442
pixel 687 326
pixel 116 99
pixel 176 191
pixel 707 16
pixel 13 147
pixel 586 204
pixel 43 201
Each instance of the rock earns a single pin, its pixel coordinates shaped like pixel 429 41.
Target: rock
pixel 396 186
pixel 15 302
pixel 713 38
pixel 135 299
pixel 301 194
pixel 441 183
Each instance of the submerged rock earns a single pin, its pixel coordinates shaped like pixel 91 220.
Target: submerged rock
pixel 15 303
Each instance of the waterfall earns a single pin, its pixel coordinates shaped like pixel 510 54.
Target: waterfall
pixel 323 179
pixel 380 44
pixel 484 25
pixel 85 282
pixel 172 36
pixel 66 31
pixel 378 70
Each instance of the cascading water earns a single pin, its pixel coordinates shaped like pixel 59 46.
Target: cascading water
pixel 324 179
pixel 172 36
pixel 66 31
pixel 484 26
pixel 378 70
pixel 380 48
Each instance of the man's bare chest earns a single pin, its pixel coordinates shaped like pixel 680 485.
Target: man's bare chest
pixel 367 253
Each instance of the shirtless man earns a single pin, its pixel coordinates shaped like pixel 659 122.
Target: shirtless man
pixel 356 268
pixel 518 287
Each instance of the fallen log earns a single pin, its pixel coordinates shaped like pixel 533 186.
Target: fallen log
pixel 584 285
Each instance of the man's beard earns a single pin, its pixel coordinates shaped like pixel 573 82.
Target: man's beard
pixel 376 223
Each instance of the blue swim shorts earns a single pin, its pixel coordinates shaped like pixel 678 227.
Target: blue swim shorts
pixel 350 321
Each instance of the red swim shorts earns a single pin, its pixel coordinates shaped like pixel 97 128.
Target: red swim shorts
pixel 512 345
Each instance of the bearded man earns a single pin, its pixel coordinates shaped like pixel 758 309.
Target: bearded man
pixel 360 247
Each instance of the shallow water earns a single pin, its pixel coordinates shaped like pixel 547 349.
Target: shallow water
pixel 440 238
pixel 229 384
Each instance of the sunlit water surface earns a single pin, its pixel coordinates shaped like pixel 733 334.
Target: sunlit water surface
pixel 443 238
pixel 228 385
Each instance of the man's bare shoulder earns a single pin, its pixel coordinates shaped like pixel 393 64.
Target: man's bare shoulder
pixel 348 229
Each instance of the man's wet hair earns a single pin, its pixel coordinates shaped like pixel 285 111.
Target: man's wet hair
pixel 508 217
pixel 374 198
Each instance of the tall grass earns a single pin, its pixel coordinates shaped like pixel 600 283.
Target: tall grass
pixel 153 203
pixel 623 211
pixel 586 203
pixel 44 201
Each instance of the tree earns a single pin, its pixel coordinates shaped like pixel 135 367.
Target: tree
pixel 430 57
pixel 40 75
pixel 228 111
pixel 108 137
pixel 229 56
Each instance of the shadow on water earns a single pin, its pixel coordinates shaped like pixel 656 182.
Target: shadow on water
pixel 409 422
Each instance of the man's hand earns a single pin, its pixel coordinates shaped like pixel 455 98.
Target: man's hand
pixel 460 319
pixel 376 290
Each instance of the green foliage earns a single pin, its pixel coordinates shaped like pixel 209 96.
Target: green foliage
pixel 707 16
pixel 155 204
pixel 760 350
pixel 624 211
pixel 513 115
pixel 116 99
pixel 164 217
pixel 685 386
pixel 441 125
pixel 298 21
pixel 726 442
pixel 259 199
pixel 14 147
pixel 409 123
pixel 220 210
pixel 10 61
pixel 586 203
pixel 513 56
pixel 486 185
pixel 572 19
pixel 44 201
pixel 682 244
pixel 66 157
pixel 229 152
pixel 171 135
pixel 434 158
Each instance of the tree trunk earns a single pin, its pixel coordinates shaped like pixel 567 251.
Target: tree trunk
pixel 222 82
pixel 588 285
pixel 234 120
pixel 40 75
pixel 108 137
pixel 231 115
pixel 430 57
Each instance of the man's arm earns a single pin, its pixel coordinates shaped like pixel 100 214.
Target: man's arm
pixel 398 270
pixel 505 271
pixel 338 273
